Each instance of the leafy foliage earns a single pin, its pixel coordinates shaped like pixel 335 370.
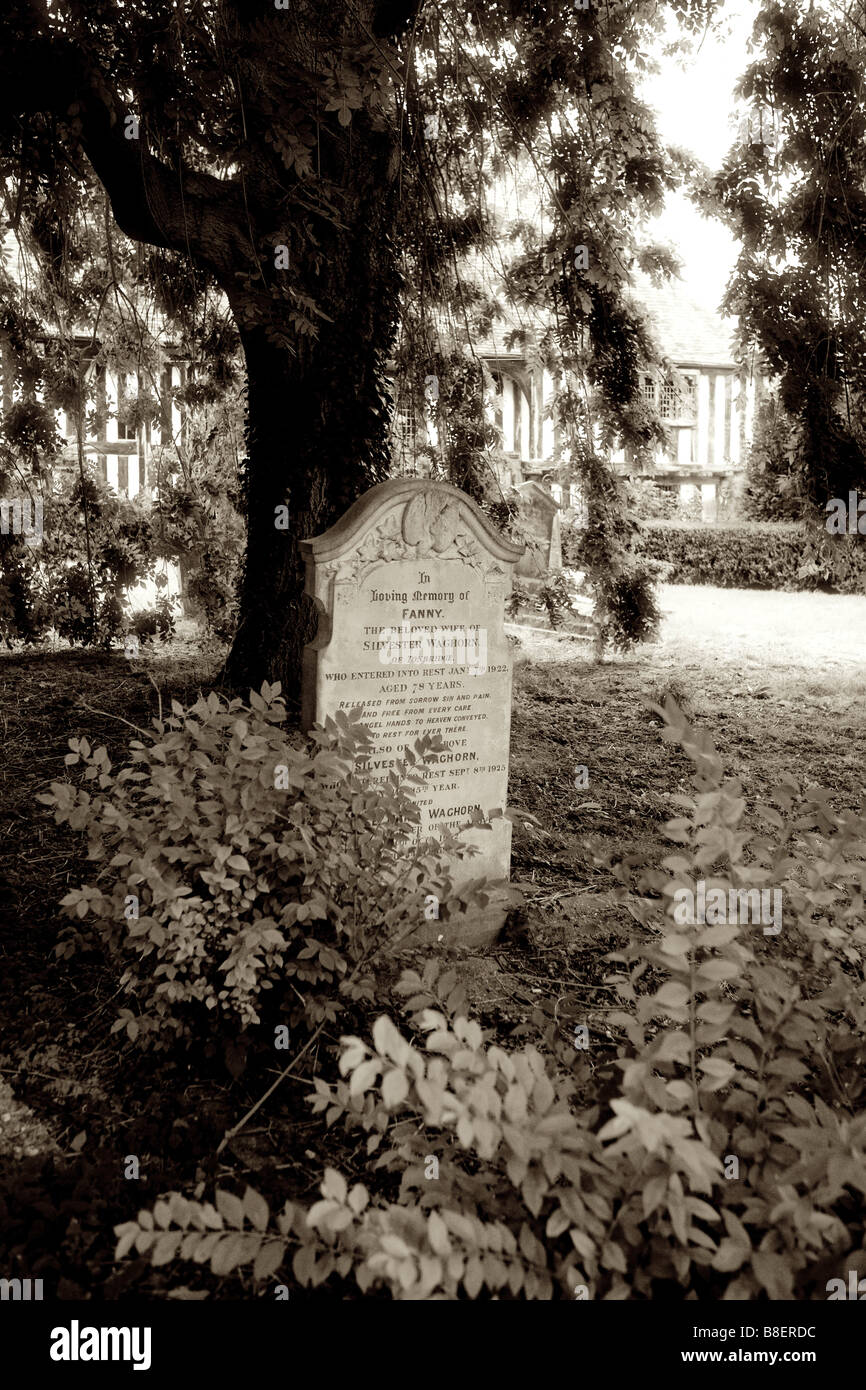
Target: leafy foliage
pixel 250 881
pixel 53 1213
pixel 95 546
pixel 605 549
pixel 793 193
pixel 752 556
pixel 553 598
pixel 651 502
pixel 105 305
pixel 774 490
pixel 728 1160
pixel 198 508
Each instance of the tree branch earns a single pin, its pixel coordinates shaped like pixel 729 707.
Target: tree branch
pixel 180 210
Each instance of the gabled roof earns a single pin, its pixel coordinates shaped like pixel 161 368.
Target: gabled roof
pixel 690 334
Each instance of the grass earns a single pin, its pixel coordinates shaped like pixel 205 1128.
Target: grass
pixel 778 680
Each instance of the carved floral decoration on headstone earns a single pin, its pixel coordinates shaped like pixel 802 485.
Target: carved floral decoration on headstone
pixel 428 527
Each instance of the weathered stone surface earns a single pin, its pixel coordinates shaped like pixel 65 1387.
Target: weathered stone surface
pixel 412 575
pixel 539 513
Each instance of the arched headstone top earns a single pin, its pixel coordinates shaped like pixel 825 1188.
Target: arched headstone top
pixel 536 495
pixel 428 519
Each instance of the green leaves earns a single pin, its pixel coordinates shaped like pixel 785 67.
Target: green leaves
pixel 395 1089
pixel 714 1159
pixel 672 995
pixel 253 894
pixel 201 1235
pixel 229 1208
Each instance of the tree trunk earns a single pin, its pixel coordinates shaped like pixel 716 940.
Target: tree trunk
pixel 276 619
pixel 317 419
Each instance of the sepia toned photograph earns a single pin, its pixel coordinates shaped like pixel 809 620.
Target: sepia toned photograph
pixel 432 671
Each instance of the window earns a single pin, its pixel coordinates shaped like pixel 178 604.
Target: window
pixel 757 128
pixel 675 397
pixel 668 400
pixel 404 425
pixel 404 431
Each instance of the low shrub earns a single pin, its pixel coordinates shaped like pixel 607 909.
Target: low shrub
pixel 721 1155
pixel 754 556
pixel 54 1212
pixel 655 502
pixel 95 546
pixel 157 621
pixel 245 881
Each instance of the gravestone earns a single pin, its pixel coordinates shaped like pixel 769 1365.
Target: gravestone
pixel 410 586
pixel 539 515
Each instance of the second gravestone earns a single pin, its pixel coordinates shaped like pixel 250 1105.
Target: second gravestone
pixel 411 586
pixel 539 513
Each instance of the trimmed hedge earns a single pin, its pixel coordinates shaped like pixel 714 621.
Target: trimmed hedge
pixel 755 555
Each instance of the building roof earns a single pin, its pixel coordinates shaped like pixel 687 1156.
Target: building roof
pixel 690 334
pixel 497 343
